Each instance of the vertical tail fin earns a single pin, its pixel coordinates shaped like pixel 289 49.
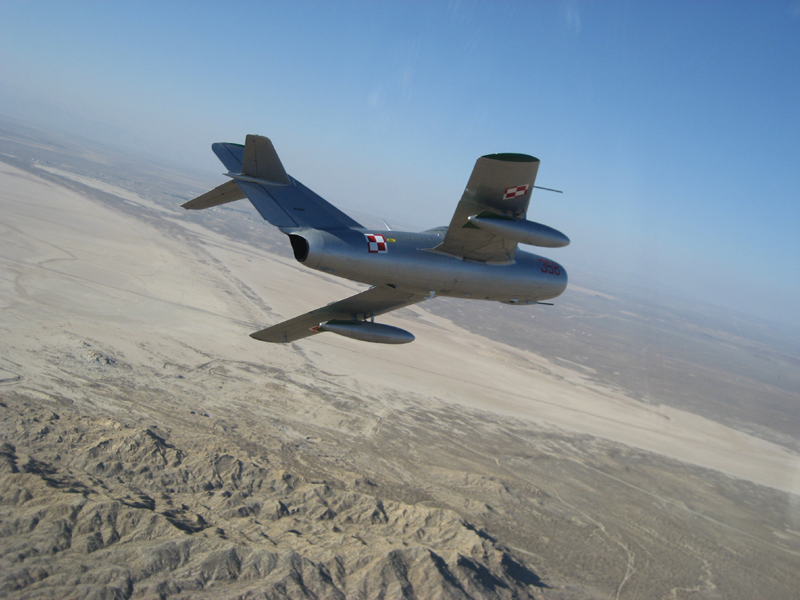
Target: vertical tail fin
pixel 261 161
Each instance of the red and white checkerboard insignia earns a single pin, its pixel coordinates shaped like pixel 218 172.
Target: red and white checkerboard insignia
pixel 515 192
pixel 376 242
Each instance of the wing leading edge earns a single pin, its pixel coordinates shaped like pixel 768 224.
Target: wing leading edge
pixel 501 185
pixel 372 302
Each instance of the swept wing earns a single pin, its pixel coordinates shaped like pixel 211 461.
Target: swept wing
pixel 500 187
pixel 372 302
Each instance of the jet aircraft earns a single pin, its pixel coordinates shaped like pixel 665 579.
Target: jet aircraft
pixel 476 256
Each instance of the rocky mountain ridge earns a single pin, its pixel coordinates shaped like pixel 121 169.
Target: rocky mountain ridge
pixel 146 515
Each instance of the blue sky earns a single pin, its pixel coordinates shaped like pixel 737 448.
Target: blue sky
pixel 672 127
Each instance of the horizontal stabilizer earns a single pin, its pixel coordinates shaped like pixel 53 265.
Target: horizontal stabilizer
pixel 222 194
pixel 230 155
pixel 372 302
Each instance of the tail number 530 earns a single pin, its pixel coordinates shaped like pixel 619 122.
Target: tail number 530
pixel 548 266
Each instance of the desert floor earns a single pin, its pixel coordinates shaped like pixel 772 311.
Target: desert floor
pixel 455 466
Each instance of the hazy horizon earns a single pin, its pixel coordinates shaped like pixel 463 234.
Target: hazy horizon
pixel 672 128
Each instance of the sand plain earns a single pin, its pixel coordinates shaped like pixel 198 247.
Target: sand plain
pixel 456 466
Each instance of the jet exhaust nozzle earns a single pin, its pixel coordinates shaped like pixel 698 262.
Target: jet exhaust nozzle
pixel 367 331
pixel 522 231
pixel 308 246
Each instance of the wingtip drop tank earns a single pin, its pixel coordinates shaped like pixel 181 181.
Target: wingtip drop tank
pixel 367 331
pixel 521 230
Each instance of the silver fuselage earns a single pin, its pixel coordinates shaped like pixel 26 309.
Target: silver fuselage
pixel 409 263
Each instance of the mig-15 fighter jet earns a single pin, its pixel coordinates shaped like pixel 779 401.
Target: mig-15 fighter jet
pixel 476 256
